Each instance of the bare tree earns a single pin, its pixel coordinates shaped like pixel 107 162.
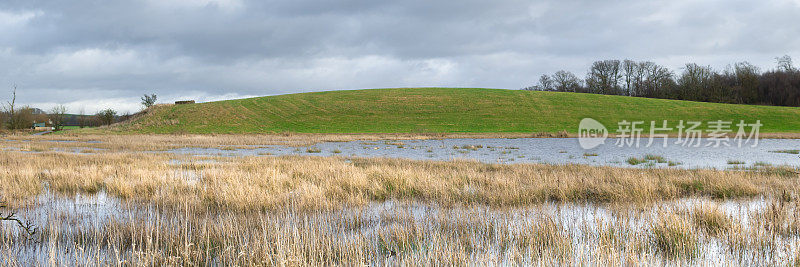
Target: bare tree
pixel 631 76
pixel 545 83
pixel 695 82
pixel 18 117
pixel 106 116
pixel 82 118
pixel 604 77
pixel 23 118
pixel 785 63
pixel 745 82
pixel 10 109
pixel 57 116
pixel 653 80
pixel 565 81
pixel 149 100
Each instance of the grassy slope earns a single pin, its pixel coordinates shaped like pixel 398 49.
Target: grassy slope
pixel 440 110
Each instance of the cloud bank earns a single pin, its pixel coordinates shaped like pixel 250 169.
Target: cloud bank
pixel 94 55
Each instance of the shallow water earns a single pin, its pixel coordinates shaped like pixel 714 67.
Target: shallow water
pixel 580 222
pixel 537 150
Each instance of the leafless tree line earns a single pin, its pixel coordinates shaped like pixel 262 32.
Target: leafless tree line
pixel 741 83
pixel 15 117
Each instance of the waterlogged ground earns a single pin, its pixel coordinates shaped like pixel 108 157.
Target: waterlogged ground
pixel 544 150
pixel 599 227
pixel 91 229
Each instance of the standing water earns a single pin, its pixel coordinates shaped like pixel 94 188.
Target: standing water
pixel 544 150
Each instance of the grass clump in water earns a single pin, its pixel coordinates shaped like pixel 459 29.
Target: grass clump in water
pixel 546 239
pixel 736 162
pixel 674 238
pixel 650 160
pixel 787 151
pixel 635 161
pixel 399 239
pixel 762 164
pixel 471 147
pixel 711 220
pixel 313 150
pixel 396 144
pixel 656 158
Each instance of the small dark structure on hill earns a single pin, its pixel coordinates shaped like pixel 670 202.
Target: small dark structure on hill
pixel 184 102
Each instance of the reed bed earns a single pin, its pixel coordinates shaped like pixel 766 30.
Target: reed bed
pixel 135 207
pixel 155 142
pixel 268 183
pixel 143 142
pixel 405 233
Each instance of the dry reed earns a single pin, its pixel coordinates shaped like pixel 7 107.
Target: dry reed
pixel 304 210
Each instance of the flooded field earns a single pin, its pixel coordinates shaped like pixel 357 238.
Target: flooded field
pixel 396 202
pixel 541 150
pixel 697 231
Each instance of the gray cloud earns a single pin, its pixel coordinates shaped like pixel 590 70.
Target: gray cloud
pixel 106 54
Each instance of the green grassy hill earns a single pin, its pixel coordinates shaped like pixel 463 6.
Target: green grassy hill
pixel 440 110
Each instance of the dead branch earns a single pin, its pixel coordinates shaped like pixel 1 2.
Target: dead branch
pixel 28 227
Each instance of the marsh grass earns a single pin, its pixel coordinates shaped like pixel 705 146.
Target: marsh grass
pixel 545 238
pixel 761 164
pixel 317 182
pixel 656 158
pixel 635 161
pixel 674 237
pixel 650 160
pixel 307 210
pixel 397 144
pixel 469 147
pixel 788 151
pixel 405 233
pixel 711 219
pixel 136 142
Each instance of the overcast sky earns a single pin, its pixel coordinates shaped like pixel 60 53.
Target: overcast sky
pixel 98 54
